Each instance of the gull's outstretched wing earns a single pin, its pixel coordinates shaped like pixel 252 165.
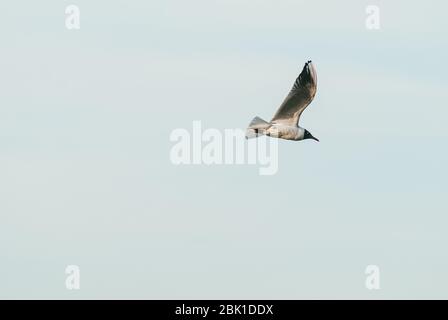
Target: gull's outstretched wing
pixel 300 96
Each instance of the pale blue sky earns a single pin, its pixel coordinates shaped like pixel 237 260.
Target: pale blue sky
pixel 85 118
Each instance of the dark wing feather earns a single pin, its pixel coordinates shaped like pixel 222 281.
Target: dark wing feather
pixel 300 96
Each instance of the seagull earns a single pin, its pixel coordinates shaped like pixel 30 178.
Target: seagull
pixel 285 123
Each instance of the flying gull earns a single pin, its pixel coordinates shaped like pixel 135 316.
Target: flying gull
pixel 285 123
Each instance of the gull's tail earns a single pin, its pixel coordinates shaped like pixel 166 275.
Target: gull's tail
pixel 257 127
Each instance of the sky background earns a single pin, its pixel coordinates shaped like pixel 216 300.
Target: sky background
pixel 86 178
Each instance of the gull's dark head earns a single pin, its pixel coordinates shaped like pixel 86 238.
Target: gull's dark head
pixel 308 135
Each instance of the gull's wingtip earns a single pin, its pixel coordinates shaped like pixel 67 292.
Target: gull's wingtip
pixel 310 71
pixel 308 63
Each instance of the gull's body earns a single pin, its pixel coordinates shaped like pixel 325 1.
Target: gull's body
pixel 285 123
